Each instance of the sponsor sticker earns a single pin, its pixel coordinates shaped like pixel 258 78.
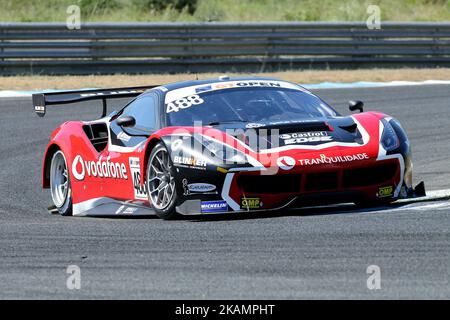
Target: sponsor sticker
pixel 101 168
pixel 174 95
pixel 177 144
pixel 140 191
pixel 184 103
pixel 251 203
pixel 123 136
pixel 254 125
pixel 336 159
pixel 214 206
pixel 39 109
pixel 385 192
pixel 201 187
pixel 189 162
pixel 306 137
pixel 286 163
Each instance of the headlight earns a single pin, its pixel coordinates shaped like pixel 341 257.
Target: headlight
pixel 389 139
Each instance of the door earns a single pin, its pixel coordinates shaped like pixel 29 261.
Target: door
pixel 124 148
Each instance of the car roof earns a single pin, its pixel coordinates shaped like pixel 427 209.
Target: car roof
pixel 182 84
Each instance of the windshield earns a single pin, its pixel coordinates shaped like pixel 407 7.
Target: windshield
pixel 248 105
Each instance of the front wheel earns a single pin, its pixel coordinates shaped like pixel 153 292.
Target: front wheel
pixel 161 183
pixel 60 184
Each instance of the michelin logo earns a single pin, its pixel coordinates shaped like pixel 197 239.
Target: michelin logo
pixel 214 206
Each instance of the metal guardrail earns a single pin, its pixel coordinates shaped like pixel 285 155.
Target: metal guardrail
pixel 103 48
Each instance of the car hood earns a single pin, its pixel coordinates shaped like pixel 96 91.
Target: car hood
pixel 300 135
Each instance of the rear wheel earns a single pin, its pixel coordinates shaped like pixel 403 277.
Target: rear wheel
pixel 60 187
pixel 161 183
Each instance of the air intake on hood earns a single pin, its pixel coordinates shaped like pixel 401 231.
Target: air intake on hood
pixel 350 128
pixel 301 127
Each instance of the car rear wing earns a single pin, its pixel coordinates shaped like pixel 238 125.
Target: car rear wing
pixel 42 100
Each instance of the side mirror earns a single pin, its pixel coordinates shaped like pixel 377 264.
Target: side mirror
pixel 126 121
pixel 354 105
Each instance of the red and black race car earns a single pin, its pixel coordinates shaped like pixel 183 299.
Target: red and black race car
pixel 221 145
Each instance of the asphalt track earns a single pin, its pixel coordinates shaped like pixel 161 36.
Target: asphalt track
pixel 321 253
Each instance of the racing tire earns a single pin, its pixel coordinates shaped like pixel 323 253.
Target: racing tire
pixel 161 185
pixel 60 186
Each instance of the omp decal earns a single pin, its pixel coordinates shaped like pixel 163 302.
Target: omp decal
pixel 385 192
pixel 140 191
pixel 100 168
pixel 214 206
pixel 286 163
pixel 251 203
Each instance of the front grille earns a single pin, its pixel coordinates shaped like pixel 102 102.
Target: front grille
pixel 368 176
pixel 270 184
pixel 329 181
pixel 321 181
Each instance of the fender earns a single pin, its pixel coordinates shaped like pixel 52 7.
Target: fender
pixel 148 147
pixel 72 141
pixel 164 135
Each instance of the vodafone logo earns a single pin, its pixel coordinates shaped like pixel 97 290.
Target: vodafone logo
pixel 286 163
pixel 78 168
pixel 100 168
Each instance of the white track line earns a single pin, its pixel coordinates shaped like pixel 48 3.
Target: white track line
pixel 433 195
pixel 324 85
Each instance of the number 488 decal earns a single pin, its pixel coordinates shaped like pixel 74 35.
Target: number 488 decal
pixel 184 103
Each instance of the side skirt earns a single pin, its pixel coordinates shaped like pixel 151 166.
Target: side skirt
pixel 101 207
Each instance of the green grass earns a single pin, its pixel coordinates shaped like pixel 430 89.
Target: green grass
pixel 226 10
